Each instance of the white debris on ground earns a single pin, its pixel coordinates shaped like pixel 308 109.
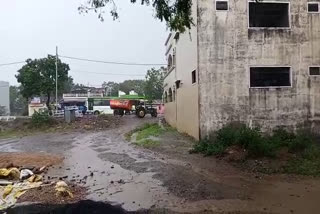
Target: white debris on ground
pixel 15 183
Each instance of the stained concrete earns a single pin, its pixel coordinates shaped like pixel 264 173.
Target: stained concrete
pixel 227 48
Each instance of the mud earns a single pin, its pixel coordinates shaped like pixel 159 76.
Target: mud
pixel 167 178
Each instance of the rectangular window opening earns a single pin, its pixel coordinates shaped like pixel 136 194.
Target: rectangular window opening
pixel 222 5
pixel 194 77
pixel 270 77
pixel 313 7
pixel 314 71
pixel 273 15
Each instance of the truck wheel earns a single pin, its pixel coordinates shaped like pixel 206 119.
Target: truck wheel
pixel 141 112
pixel 96 113
pixel 121 113
pixel 115 112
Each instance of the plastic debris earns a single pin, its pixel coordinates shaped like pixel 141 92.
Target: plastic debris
pixel 35 178
pixel 10 193
pixel 25 174
pixel 63 190
pixel 12 173
pixel 7 190
pixel 5 182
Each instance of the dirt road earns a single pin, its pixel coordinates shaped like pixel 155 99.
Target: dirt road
pixel 167 178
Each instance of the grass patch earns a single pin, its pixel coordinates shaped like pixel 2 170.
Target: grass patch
pixel 148 130
pixel 307 163
pixel 147 143
pixel 304 153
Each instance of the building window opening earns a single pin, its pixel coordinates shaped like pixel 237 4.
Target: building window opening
pixel 265 14
pixel 178 82
pixel 314 71
pixel 313 7
pixel 165 97
pixel 270 77
pixel 194 77
pixel 170 61
pixel 222 5
pixel 170 95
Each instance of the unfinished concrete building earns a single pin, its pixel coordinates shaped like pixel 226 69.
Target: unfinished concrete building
pixel 257 63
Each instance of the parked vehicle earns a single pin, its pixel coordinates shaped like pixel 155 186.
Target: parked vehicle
pixel 126 106
pixel 100 105
pixel 79 104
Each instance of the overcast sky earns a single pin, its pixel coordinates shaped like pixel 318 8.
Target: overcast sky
pixel 32 29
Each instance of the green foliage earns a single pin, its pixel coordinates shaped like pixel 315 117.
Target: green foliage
pixel 38 77
pixel 177 13
pixel 154 84
pixel 307 163
pixel 147 143
pixel 253 141
pixel 41 119
pixel 2 110
pixel 149 130
pixel 18 104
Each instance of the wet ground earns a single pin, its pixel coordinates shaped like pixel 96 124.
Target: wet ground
pixel 167 179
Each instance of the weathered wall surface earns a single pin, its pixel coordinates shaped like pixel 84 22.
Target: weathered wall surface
pixel 227 48
pixel 186 103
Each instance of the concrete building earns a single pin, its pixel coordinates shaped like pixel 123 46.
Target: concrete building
pixel 257 63
pixel 5 97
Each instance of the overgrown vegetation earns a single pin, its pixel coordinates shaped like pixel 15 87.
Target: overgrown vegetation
pixel 147 143
pixel 42 119
pixel 303 152
pixel 144 135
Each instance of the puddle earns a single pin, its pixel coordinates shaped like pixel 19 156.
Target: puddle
pixel 107 181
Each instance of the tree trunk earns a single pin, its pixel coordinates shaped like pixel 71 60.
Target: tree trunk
pixel 48 101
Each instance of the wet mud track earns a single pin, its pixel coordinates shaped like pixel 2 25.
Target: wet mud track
pixel 165 180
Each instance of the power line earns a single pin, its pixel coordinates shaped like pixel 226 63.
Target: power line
pixel 111 62
pixel 12 63
pixel 107 73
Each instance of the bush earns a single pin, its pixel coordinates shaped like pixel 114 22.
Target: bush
pixel 257 144
pixel 40 119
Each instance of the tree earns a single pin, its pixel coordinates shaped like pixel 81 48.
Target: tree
pixel 38 77
pixel 112 88
pixel 176 13
pixel 3 110
pixel 154 84
pixel 136 85
pixel 18 104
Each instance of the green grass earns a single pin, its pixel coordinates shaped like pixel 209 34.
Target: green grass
pixel 147 143
pixel 149 130
pixel 306 163
pixel 301 146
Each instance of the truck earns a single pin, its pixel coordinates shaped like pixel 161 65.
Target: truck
pixel 123 106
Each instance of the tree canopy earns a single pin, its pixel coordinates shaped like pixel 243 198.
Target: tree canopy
pixel 154 84
pixel 18 104
pixel 38 77
pixel 176 13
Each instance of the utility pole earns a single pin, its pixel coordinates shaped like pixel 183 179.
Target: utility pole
pixel 56 77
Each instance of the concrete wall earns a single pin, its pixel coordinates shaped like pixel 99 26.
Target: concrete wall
pixel 186 104
pixel 4 96
pixel 227 48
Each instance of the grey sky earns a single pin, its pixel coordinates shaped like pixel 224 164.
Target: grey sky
pixel 32 29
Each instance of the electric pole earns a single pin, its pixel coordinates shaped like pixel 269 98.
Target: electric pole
pixel 56 77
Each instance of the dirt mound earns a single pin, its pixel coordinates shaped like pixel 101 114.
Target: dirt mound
pixel 30 160
pixel 47 195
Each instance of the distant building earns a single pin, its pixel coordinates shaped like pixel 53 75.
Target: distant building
pixel 5 97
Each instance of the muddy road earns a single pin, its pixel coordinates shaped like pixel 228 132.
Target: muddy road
pixel 166 178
